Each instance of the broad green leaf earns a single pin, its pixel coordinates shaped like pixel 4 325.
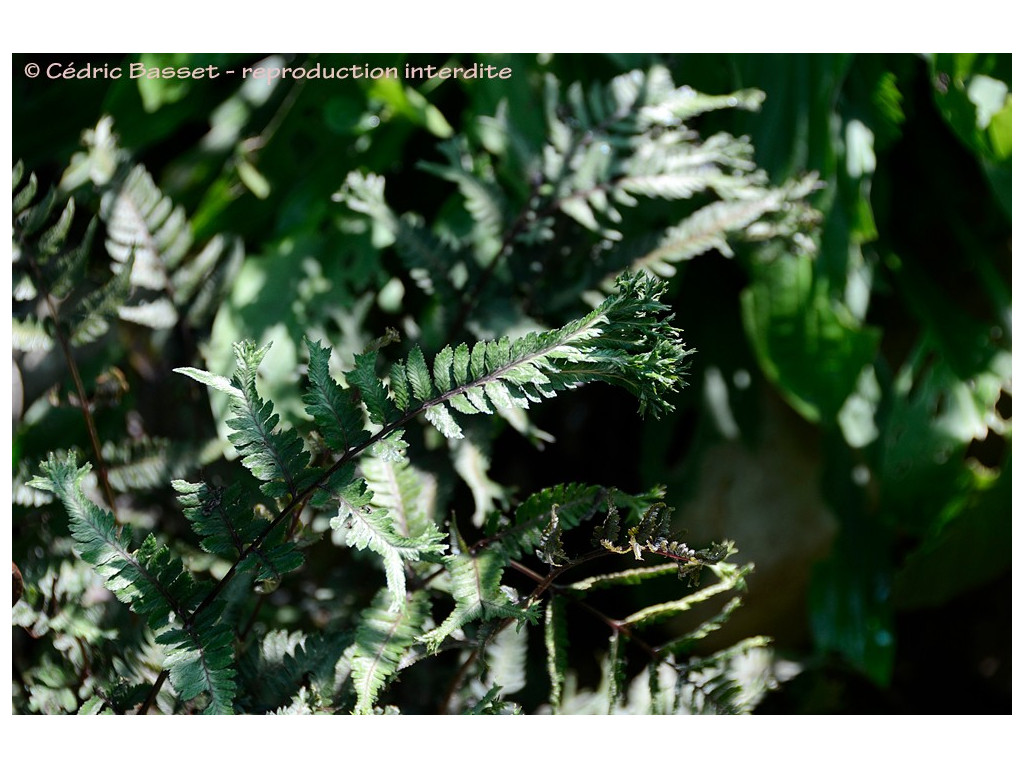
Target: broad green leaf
pixel 807 344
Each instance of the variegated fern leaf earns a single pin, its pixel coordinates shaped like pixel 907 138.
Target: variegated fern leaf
pixel 144 226
pixel 156 585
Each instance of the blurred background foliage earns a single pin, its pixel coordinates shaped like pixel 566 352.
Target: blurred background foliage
pixel 848 419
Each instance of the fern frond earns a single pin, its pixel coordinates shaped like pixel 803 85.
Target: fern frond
pixel 382 638
pixel 431 262
pixel 275 456
pixel 21 198
pixel 630 138
pixel 484 200
pixel 625 341
pixel 283 661
pixel 155 584
pixel 730 579
pixel 573 504
pixel 30 219
pixel 651 535
pixel 146 463
pixel 336 415
pixel 371 389
pixel 628 577
pixel 150 238
pixel 556 643
pixel 143 223
pixel 615 670
pixel 472 462
pixel 46 264
pixel 686 641
pixel 711 227
pixel 29 335
pixel 44 241
pixel 201 282
pixel 407 493
pixel 492 704
pixel 99 306
pixel 201 660
pixel 23 493
pixel 722 683
pixel 506 659
pixel 476 588
pixel 227 525
pixel 66 270
pixel 366 527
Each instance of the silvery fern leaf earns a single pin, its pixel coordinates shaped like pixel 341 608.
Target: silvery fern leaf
pixel 373 528
pixel 382 639
pixel 476 589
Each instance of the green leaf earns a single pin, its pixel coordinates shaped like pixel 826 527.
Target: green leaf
pixel 443 369
pixel 966 549
pixel 809 346
pixel 255 181
pixel 399 385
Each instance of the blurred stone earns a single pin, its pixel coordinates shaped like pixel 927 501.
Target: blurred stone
pixel 768 500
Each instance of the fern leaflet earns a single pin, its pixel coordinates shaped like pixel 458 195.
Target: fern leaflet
pixel 366 527
pixel 383 637
pixel 476 588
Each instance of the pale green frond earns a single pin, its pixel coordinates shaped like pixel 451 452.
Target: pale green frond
pixel 628 577
pixel 506 659
pixel 626 341
pixel 406 492
pixel 100 305
pixel 30 335
pixel 372 528
pixel 428 259
pixel 685 641
pixel 667 610
pixel 384 635
pixel 476 588
pixel 143 223
pixel 472 463
pixel 556 643
pixel 614 670
pixel 483 198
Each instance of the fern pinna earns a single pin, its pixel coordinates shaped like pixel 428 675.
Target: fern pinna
pixel 627 341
